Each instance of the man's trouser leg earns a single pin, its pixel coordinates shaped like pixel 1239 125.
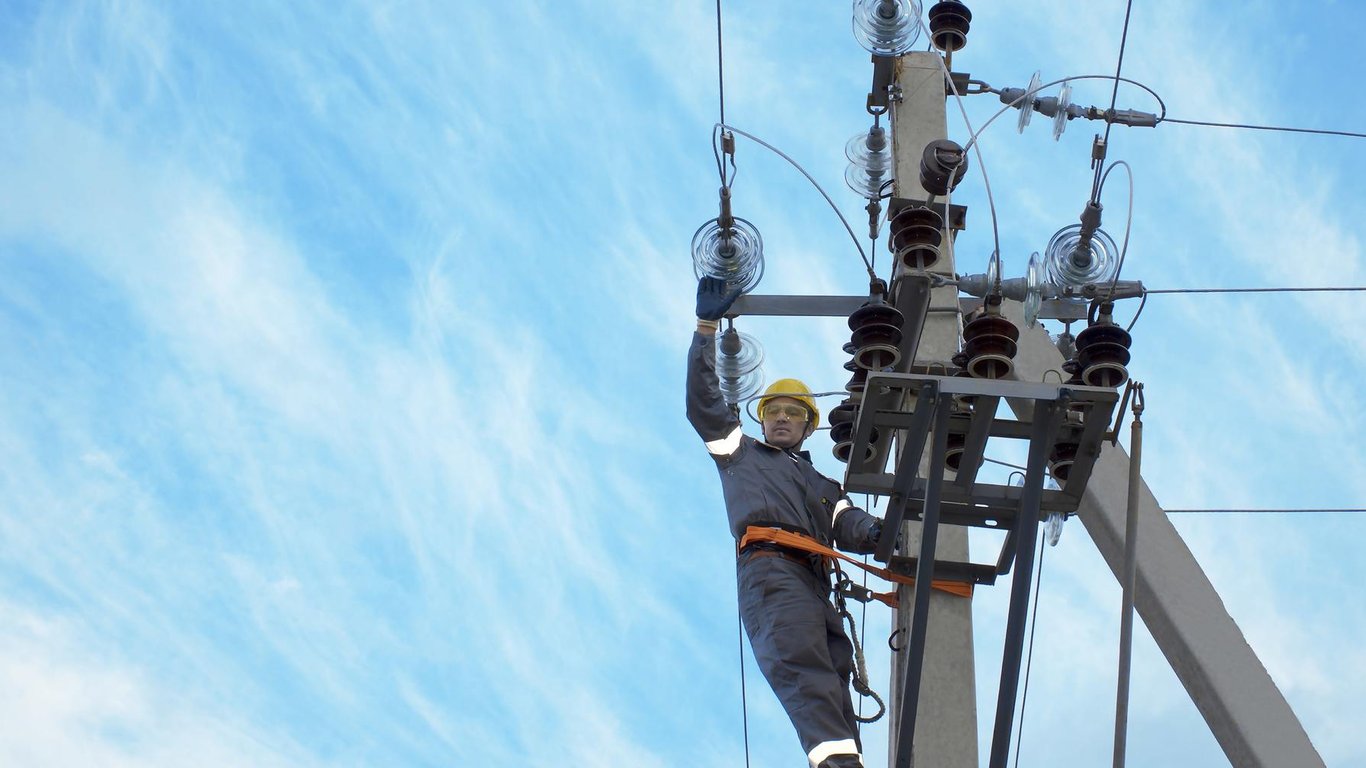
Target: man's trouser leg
pixel 802 651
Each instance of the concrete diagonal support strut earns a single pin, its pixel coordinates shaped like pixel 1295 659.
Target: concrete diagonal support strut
pixel 1244 709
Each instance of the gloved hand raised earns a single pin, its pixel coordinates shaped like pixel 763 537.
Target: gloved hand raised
pixel 713 300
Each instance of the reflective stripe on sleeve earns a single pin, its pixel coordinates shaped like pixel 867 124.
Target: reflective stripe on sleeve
pixel 840 506
pixel 827 749
pixel 726 445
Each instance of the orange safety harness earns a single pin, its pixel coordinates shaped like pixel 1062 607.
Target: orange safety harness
pixel 755 534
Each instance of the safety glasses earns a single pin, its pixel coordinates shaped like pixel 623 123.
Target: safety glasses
pixel 792 412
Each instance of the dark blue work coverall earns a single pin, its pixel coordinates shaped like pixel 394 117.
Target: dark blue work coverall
pixel 785 596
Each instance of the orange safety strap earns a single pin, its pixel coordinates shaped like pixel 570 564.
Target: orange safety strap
pixel 755 533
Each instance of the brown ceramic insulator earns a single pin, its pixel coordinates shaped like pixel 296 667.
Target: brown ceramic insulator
pixel 875 312
pixel 1104 365
pixel 1073 369
pixel 844 413
pixel 1103 354
pixel 991 323
pixel 949 23
pixel 858 381
pixel 1060 460
pixel 989 346
pixel 1104 332
pixel 877 346
pixel 987 364
pixel 843 435
pixel 964 401
pixel 916 234
pixel 953 457
pixel 942 165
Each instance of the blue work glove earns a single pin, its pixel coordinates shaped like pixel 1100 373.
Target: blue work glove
pixel 713 300
pixel 874 537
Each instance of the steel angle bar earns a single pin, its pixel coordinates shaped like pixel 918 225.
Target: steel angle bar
pixel 1007 554
pixel 928 403
pixel 924 576
pixel 964 385
pixel 778 305
pixel 973 572
pixel 1047 416
pixel 975 443
pixel 911 296
pixel 1095 423
pixel 876 483
pixel 872 413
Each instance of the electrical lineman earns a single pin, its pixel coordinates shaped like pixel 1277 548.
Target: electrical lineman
pixel 785 594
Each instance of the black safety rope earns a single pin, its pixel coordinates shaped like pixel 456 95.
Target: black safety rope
pixel 860 676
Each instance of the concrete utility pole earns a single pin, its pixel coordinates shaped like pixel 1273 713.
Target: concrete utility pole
pixel 1244 709
pixel 946 720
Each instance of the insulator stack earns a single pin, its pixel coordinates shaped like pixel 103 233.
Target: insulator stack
pixel 949 22
pixel 870 162
pixel 876 336
pixel 989 343
pixel 1060 460
pixel 916 233
pixel 942 165
pixel 1077 256
pixel 842 419
pixel 964 402
pixel 953 457
pixel 886 27
pixel 739 361
pixel 733 253
pixel 1103 352
pixel 858 379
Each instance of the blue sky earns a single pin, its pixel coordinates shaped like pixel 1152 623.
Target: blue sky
pixel 342 353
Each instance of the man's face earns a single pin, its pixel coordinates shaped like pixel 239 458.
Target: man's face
pixel 786 422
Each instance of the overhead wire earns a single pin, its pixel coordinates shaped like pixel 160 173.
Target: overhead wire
pixel 1029 656
pixel 1114 95
pixel 1290 510
pixel 1246 126
pixel 1273 289
pixel 862 254
pixel 725 182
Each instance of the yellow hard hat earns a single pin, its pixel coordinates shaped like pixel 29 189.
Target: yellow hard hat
pixel 796 390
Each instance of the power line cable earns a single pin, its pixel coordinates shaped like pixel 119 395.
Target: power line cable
pixel 1318 131
pixel 744 698
pixel 1029 658
pixel 863 255
pixel 1281 289
pixel 720 65
pixel 1114 93
pixel 1349 510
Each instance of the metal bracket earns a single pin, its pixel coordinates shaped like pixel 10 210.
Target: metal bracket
pixel 923 409
pixel 958 214
pixel 878 96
